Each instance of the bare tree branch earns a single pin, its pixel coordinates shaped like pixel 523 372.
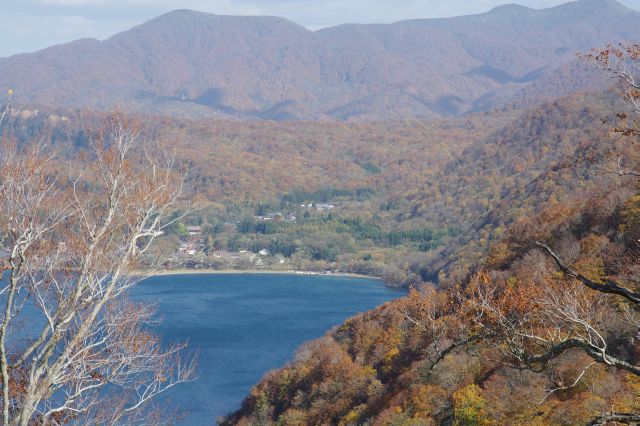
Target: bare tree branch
pixel 609 286
pixel 73 241
pixel 625 418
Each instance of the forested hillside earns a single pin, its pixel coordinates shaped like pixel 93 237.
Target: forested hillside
pixel 532 163
pixel 400 365
pixel 541 331
pixel 400 200
pixel 193 65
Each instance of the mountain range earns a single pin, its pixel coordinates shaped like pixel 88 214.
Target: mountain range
pixel 193 65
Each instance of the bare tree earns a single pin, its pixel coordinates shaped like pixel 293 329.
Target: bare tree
pixel 442 321
pixel 73 350
pixel 622 64
pixel 6 108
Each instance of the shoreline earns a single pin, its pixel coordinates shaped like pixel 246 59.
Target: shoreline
pixel 184 271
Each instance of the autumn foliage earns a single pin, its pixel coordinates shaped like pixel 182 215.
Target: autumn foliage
pixel 542 331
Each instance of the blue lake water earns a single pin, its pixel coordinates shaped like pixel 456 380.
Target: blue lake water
pixel 244 325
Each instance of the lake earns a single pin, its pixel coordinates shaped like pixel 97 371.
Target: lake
pixel 244 325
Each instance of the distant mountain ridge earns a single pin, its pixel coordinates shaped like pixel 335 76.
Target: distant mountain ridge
pixel 194 64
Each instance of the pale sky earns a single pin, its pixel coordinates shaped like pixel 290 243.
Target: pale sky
pixel 29 25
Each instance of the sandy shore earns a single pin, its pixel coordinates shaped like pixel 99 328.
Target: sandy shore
pixel 252 271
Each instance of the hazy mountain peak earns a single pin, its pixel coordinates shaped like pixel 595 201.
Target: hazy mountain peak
pixel 195 31
pixel 596 6
pixel 194 17
pixel 179 17
pixel 584 6
pixel 184 13
pixel 601 3
pixel 510 9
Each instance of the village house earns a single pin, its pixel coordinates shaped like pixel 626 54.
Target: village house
pixel 187 248
pixel 324 206
pixel 194 231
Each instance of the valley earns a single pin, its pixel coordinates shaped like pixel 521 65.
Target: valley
pixel 448 206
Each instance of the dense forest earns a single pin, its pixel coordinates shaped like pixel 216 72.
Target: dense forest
pixel 321 196
pixel 398 200
pixel 399 365
pixel 542 330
